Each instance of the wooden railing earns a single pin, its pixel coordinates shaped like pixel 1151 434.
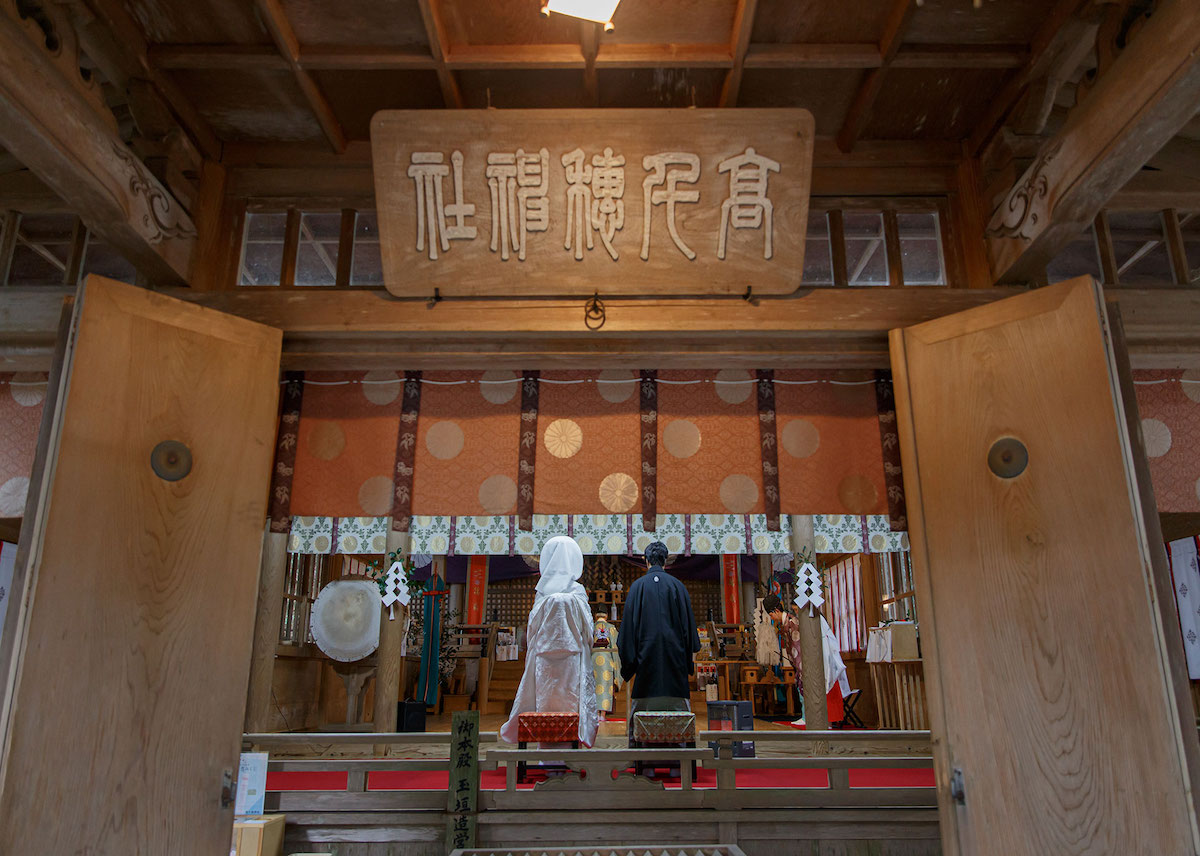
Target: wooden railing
pixel 601 778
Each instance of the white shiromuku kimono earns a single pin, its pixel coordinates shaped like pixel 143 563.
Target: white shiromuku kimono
pixel 558 669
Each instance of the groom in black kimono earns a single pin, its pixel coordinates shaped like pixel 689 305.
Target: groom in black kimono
pixel 658 638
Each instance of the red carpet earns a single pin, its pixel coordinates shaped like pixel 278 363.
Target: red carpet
pixel 493 780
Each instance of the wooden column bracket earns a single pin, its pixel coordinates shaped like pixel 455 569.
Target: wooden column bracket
pixel 1150 91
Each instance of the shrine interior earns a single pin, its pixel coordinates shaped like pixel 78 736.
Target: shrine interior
pixel 358 359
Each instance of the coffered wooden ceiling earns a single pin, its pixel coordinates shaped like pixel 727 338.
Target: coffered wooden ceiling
pixel 316 71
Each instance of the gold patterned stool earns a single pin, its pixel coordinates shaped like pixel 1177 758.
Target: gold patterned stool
pixel 546 727
pixel 663 728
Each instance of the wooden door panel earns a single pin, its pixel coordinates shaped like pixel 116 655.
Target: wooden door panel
pixel 1051 682
pixel 134 656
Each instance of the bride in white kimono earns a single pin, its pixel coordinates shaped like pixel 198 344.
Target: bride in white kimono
pixel 558 669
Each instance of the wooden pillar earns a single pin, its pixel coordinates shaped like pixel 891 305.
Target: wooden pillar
pixel 389 664
pixel 812 656
pixel 266 630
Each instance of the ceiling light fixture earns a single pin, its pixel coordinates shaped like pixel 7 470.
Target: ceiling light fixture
pixel 600 11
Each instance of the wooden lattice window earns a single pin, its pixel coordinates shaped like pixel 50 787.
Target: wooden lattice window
pixel 897 600
pixel 303 578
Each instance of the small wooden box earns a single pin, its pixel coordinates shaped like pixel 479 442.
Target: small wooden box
pixel 893 642
pixel 258 836
pixel 451 703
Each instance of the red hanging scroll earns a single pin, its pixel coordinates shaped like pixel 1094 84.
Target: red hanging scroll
pixel 731 588
pixel 477 579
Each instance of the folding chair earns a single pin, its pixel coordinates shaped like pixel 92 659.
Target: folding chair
pixel 849 717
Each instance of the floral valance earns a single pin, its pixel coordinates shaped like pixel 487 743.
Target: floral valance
pixel 597 534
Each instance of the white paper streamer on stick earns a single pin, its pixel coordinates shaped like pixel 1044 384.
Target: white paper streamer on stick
pixel 808 588
pixel 396 590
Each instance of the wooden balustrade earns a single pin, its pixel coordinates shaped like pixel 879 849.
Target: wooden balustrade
pixel 601 778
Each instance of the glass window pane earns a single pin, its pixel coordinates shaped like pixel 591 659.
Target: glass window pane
pixel 1081 257
pixel 1140 247
pixel 921 248
pixel 262 248
pixel 1189 223
pixel 316 259
pixel 43 244
pixel 818 264
pixel 866 255
pixel 366 268
pixel 102 259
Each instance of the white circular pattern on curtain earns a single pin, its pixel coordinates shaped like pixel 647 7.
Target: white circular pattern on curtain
pixel 618 492
pixel 498 494
pixel 563 438
pixel 616 392
pixel 494 391
pixel 326 440
pixel 28 388
pixel 444 439
pixel 375 496
pixel 681 438
pixel 1191 384
pixel 739 493
pixel 12 496
pixel 1157 437
pixel 733 393
pixel 800 438
pixel 381 393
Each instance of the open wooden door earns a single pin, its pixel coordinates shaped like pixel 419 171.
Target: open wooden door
pixel 1054 666
pixel 129 654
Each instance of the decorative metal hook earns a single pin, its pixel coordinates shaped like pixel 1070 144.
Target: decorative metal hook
pixel 594 313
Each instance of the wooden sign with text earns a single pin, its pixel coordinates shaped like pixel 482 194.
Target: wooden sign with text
pixel 572 202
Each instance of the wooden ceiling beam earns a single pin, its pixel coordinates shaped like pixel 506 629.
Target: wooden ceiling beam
pixel 130 50
pixel 370 58
pixel 486 57
pixel 739 44
pixel 281 31
pixel 515 56
pixel 219 57
pixel 439 48
pixel 55 131
pixel 863 104
pixel 1149 92
pixel 961 56
pixel 867 55
pixel 358 329
pixel 664 56
pixel 834 56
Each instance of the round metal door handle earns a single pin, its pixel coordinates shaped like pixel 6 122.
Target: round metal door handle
pixel 1008 457
pixel 171 460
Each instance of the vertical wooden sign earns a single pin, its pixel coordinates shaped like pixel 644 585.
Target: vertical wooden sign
pixel 462 796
